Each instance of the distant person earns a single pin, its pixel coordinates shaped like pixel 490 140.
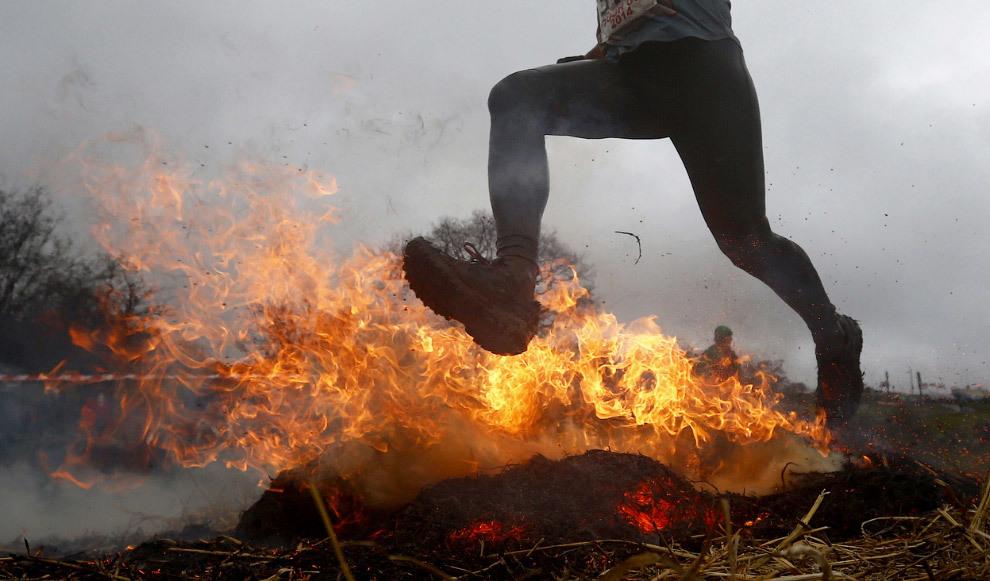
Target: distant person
pixel 676 71
pixel 719 362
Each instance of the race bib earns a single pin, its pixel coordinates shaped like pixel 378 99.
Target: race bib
pixel 615 16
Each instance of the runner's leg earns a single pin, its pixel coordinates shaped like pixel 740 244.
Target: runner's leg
pixel 591 99
pixel 495 301
pixel 719 139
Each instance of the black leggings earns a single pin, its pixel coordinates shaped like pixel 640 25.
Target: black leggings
pixel 696 92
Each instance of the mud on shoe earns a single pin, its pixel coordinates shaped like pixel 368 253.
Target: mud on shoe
pixel 840 379
pixel 493 302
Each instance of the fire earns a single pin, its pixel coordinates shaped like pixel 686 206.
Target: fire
pixel 491 531
pixel 270 351
pixel 647 513
pixel 68 477
pixel 759 518
pixel 345 510
pixel 656 505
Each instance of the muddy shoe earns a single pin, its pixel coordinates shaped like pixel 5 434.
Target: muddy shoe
pixel 840 380
pixel 494 302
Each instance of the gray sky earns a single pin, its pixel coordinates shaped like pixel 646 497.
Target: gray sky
pixel 876 128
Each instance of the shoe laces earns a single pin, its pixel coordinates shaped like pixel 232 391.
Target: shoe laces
pixel 475 254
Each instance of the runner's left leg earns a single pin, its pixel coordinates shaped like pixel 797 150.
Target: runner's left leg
pixel 591 99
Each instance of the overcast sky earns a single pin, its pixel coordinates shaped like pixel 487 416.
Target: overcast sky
pixel 876 125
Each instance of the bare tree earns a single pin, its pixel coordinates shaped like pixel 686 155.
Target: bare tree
pixel 48 286
pixel 32 256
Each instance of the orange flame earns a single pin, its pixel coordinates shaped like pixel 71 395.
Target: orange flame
pixel 318 352
pixel 67 476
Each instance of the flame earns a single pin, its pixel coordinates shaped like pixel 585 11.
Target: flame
pixel 68 477
pixel 286 352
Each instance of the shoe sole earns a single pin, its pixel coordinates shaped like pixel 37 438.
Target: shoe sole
pixel 840 380
pixel 500 329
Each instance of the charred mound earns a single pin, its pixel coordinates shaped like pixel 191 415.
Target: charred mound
pixel 603 495
pixel 285 512
pixel 596 495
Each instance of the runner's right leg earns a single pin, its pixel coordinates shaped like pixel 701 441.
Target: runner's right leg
pixel 591 99
pixel 718 137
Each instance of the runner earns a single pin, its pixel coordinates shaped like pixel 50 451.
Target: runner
pixel 674 69
pixel 719 362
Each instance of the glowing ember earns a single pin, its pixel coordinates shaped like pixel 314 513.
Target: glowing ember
pixel 759 518
pixel 645 512
pixel 654 506
pixel 345 510
pixel 317 352
pixel 491 531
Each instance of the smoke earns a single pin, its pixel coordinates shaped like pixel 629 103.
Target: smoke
pixel 67 518
pixel 875 130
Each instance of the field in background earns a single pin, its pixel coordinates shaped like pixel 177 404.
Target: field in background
pixel 943 433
